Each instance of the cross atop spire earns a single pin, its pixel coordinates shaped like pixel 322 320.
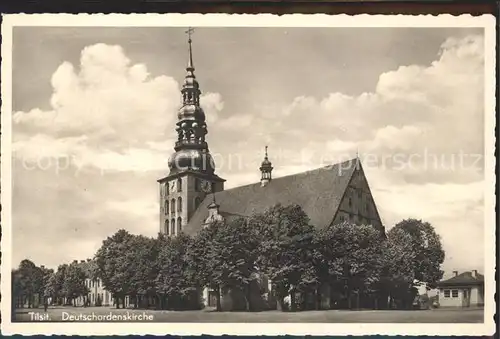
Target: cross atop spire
pixel 189 32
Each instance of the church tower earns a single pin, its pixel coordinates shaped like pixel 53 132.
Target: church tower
pixel 192 169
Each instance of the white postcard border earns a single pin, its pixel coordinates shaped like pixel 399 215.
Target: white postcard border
pixel 240 20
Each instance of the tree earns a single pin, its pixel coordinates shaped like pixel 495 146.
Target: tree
pixel 29 281
pixel 232 255
pixel 177 287
pixel 74 283
pixel 142 268
pixel 200 263
pixel 285 251
pixel 58 282
pixel 50 288
pixel 112 260
pixel 398 273
pixel 429 253
pixel 349 257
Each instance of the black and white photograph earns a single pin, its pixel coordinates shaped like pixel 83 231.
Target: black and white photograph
pixel 225 174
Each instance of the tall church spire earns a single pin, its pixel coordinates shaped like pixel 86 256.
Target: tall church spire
pixel 265 168
pixel 191 147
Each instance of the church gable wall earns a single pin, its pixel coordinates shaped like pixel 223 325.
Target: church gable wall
pixel 357 205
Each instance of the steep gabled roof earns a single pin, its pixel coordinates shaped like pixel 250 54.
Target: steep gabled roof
pixel 465 278
pixel 319 193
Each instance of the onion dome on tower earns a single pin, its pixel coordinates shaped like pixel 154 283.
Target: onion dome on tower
pixel 191 148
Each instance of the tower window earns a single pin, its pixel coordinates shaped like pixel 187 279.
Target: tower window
pixel 179 185
pixel 172 227
pixel 179 225
pixel 173 205
pixel 167 230
pixel 179 204
pixel 166 207
pixel 167 189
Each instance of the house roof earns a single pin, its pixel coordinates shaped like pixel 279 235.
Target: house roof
pixel 465 278
pixel 319 193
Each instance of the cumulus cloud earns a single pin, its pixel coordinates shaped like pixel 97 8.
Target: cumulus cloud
pixel 105 114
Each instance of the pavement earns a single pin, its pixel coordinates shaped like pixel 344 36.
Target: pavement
pixel 99 314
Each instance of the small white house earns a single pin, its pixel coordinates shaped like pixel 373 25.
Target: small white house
pixel 462 290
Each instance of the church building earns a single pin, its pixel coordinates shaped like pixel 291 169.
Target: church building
pixel 192 195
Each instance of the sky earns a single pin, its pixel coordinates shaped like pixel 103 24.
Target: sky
pixel 94 112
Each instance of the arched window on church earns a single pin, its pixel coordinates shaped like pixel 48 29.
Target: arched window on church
pixel 167 229
pixel 179 225
pixel 179 185
pixel 166 207
pixel 197 202
pixel 172 227
pixel 179 204
pixel 172 205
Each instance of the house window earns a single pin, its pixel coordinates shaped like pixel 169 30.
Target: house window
pixel 166 207
pixel 446 293
pixel 454 293
pixel 179 225
pixel 172 227
pixel 172 205
pixel 179 185
pixel 179 204
pixel 167 230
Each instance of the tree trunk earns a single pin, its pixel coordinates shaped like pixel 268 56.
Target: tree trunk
pixel 280 304
pixel 318 299
pixel 248 296
pixel 349 301
pixel 293 306
pixel 358 296
pixel 330 295
pixel 218 297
